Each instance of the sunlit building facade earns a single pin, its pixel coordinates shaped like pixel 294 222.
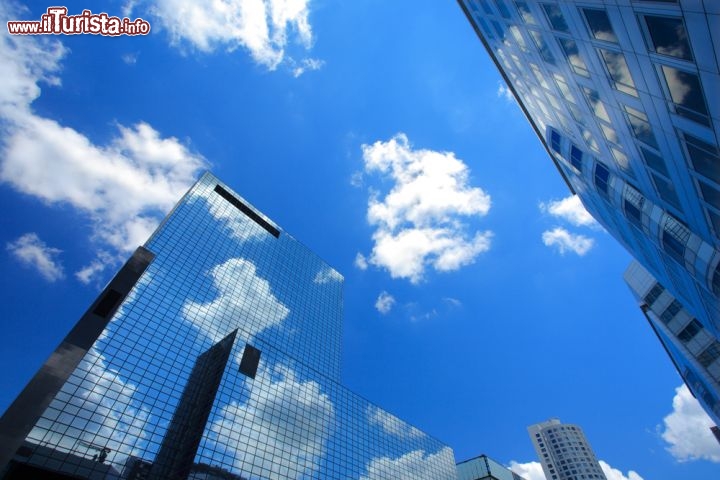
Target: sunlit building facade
pixel 213 354
pixel 564 452
pixel 484 468
pixel 625 97
pixel 694 349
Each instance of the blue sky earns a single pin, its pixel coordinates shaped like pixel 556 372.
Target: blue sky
pixel 479 298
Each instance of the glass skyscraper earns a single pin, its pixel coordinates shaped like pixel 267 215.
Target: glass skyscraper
pixel 625 97
pixel 213 354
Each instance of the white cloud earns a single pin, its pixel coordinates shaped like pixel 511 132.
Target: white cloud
pixel 124 187
pixel 565 241
pixel 687 430
pixel 453 302
pixel 102 408
pixel 391 424
pixel 92 271
pixel 615 474
pixel 241 294
pixel 504 92
pixel 293 418
pixel 384 302
pixel 415 465
pixel 534 471
pixel 262 27
pixel 356 179
pixel 418 223
pixel 529 470
pixel 571 210
pixel 34 253
pixel 361 261
pixel 307 65
pixel 327 275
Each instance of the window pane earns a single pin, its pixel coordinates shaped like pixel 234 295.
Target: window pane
pixel 525 12
pixel 686 93
pixel 666 191
pixel 596 105
pixel 602 174
pixel 692 329
pixel 576 157
pixel 619 72
pixel 555 17
pixel 569 47
pixel 542 47
pixel 704 157
pixel 669 36
pixel 710 194
pixel 503 8
pixel 654 161
pixel 653 294
pixel 710 354
pixel 640 126
pixel 670 311
pixel 599 24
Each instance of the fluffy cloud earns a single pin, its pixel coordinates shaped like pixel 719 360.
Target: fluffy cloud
pixel 534 471
pixel 384 302
pixel 34 253
pixel 124 186
pixel 102 408
pixel 293 418
pixel 360 261
pixel 687 430
pixel 565 241
pixel 415 465
pixel 327 275
pixel 241 294
pixel 571 210
pixel 262 27
pixel 529 470
pixel 418 222
pixel 615 474
pixel 391 424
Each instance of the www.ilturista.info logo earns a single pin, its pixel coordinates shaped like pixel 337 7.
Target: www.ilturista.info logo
pixel 57 22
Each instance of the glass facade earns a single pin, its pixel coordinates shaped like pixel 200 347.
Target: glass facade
pixel 223 361
pixel 641 151
pixel 484 468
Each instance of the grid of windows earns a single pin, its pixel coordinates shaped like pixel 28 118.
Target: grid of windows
pixel 240 328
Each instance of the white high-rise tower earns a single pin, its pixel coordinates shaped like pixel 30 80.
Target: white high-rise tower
pixel 564 451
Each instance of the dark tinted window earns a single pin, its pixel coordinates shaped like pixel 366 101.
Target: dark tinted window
pixel 653 294
pixel 555 17
pixel 710 354
pixel 675 237
pixel 599 24
pixel 692 329
pixel 669 37
pixel 686 94
pixel 633 204
pixel 654 161
pixel 640 126
pixel 503 8
pixel 555 141
pixel 576 157
pixel 602 175
pixel 108 303
pixel 704 157
pixel 250 361
pixel 247 211
pixel 670 311
pixel 666 190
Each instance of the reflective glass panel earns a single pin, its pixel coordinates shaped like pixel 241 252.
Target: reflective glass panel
pixel 619 71
pixel 555 17
pixel 686 94
pixel 668 36
pixel 599 24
